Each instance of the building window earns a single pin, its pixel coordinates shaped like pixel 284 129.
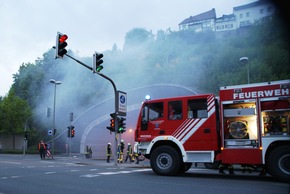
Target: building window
pixel 241 15
pixel 261 11
pixel 248 14
pixel 229 26
pixel 269 9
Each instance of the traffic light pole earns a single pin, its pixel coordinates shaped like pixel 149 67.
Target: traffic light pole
pixel 116 103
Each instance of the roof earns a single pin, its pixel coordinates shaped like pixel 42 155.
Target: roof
pixel 254 4
pixel 229 17
pixel 203 16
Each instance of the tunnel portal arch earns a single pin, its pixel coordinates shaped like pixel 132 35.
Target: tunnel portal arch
pixel 91 124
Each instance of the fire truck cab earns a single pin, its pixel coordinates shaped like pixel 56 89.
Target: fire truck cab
pixel 246 124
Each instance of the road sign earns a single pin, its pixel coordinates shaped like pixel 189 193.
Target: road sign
pixel 122 103
pixel 49 132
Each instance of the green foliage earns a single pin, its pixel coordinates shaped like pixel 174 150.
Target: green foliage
pixel 14 111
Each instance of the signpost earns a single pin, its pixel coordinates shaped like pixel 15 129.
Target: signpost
pixel 122 103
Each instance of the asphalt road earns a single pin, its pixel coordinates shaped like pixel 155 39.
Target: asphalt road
pixel 29 174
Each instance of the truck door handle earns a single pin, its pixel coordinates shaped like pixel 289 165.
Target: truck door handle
pixel 206 130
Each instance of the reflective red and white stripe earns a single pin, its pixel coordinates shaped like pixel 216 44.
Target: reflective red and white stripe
pixel 190 126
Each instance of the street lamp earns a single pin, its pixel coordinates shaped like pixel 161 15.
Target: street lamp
pixel 25 130
pixel 53 117
pixel 245 61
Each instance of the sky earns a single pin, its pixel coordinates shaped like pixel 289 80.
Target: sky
pixel 28 28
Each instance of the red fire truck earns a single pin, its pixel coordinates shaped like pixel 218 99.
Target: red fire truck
pixel 247 125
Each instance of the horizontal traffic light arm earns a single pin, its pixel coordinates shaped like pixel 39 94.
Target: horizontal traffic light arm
pixel 90 68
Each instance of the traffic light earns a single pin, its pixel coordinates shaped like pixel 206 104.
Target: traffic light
pixel 97 61
pixel 26 135
pixel 48 112
pixel 121 125
pixel 112 122
pixel 60 45
pixel 72 132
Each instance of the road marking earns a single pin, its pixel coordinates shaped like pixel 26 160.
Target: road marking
pixel 74 170
pixel 141 170
pixel 47 162
pixel 13 177
pixel 114 173
pixel 89 175
pixel 125 172
pixel 108 173
pixel 93 169
pixel 7 162
pixel 49 172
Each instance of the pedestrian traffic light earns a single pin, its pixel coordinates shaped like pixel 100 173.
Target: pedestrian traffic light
pixel 121 125
pixel 60 45
pixel 112 122
pixel 97 61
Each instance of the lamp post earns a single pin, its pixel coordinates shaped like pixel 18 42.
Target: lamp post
pixel 53 117
pixel 245 61
pixel 25 130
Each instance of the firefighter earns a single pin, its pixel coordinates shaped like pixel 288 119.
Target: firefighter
pixel 136 154
pixel 121 147
pixel 129 153
pixel 120 152
pixel 109 152
pixel 224 166
pixel 90 152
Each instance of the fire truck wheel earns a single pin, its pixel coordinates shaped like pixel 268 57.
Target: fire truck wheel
pixel 278 163
pixel 165 160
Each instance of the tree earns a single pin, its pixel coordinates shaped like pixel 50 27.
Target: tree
pixel 137 37
pixel 14 112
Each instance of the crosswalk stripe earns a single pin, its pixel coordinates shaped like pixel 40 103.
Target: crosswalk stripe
pixel 89 175
pixel 49 172
pixel 113 173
